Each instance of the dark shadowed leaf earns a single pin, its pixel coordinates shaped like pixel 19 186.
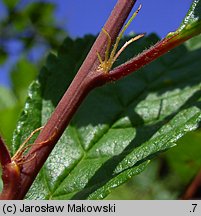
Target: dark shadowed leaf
pixel 119 127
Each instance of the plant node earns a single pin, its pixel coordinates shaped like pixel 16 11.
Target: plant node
pixel 23 147
pixel 111 57
pixel 19 157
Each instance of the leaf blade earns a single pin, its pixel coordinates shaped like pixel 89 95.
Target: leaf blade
pixel 102 150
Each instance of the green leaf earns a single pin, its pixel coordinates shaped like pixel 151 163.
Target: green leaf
pixel 11 3
pixel 40 13
pixel 7 99
pixel 189 161
pixel 119 127
pixel 191 24
pixel 22 75
pixel 194 43
pixel 193 17
pixel 12 101
pixel 3 55
pixel 167 176
pixel 9 112
pixel 152 184
pixel 8 121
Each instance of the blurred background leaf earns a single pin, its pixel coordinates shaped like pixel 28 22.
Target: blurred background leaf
pixel 27 31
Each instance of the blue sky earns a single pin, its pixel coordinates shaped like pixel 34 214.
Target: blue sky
pixel 80 17
pixel 88 16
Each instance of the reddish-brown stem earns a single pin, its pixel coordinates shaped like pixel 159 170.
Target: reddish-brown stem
pixel 86 79
pixel 11 181
pixel 10 174
pixel 4 154
pixel 193 188
pixel 145 57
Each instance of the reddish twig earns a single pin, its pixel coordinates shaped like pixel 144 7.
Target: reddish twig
pixel 145 57
pixel 4 153
pixel 10 174
pixel 193 188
